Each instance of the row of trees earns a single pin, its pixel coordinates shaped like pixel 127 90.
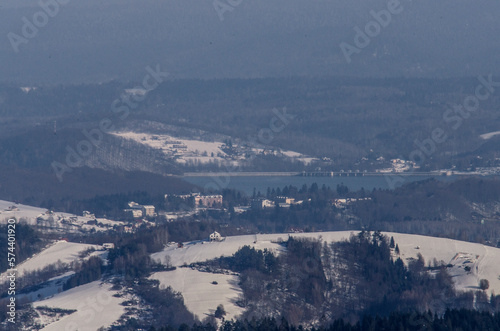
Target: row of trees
pixel 462 319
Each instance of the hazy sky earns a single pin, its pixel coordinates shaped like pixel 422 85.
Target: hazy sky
pixel 97 41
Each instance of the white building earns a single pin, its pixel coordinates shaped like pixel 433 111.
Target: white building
pixel 148 211
pixel 215 236
pixel 135 213
pixel 262 203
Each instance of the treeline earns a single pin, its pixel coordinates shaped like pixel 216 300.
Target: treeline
pixel 246 258
pixel 466 209
pixel 86 272
pixel 440 199
pixel 459 320
pixel 163 307
pixel 28 242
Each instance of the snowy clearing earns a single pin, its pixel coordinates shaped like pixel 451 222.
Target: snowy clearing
pixel 50 288
pixel 183 150
pixel 95 304
pixel 201 296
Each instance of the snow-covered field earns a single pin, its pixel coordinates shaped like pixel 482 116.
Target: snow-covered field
pixel 483 260
pixel 63 251
pixel 95 304
pixel 489 135
pixel 50 288
pixel 299 157
pixel 201 296
pixel 40 216
pixel 199 251
pixel 191 150
pixel 184 149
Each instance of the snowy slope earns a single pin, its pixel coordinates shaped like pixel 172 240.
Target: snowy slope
pixel 63 251
pixel 184 149
pixel 483 260
pixel 19 211
pixel 198 251
pixel 49 289
pixel 95 304
pixel 30 214
pixel 201 297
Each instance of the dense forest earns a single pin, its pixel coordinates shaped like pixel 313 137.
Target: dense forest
pixel 349 122
pixel 315 283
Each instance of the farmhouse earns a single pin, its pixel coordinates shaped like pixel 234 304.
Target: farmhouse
pixel 215 236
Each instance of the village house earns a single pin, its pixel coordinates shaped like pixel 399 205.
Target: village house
pixel 134 205
pixel 215 236
pixel 88 214
pixel 262 203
